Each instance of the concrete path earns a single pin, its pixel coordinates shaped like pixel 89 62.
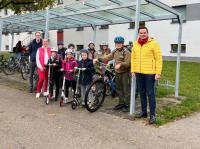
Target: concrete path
pixel 27 123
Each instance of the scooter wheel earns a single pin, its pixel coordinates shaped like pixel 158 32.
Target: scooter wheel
pixel 61 103
pixel 74 105
pixel 47 100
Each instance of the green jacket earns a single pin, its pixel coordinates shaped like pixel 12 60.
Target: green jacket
pixel 121 56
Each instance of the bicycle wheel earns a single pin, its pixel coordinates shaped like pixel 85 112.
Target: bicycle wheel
pixel 24 71
pixel 35 80
pixel 95 95
pixel 8 69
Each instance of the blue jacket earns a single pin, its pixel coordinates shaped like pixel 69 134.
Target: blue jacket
pixel 33 47
pixel 86 76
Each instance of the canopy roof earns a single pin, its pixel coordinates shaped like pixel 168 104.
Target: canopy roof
pixel 88 13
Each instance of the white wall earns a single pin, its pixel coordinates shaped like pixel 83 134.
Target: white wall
pixel 84 37
pixel 120 30
pixel 53 39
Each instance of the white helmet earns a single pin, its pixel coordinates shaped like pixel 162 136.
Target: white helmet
pixel 54 50
pixel 68 51
pixel 104 43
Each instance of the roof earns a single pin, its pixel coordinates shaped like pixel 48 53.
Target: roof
pixel 88 13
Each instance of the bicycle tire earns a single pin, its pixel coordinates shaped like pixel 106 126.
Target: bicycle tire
pixel 24 72
pixel 96 93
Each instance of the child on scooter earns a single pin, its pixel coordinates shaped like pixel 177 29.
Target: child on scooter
pixel 68 66
pixel 86 76
pixel 55 74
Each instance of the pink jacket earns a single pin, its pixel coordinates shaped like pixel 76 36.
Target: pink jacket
pixel 68 65
pixel 42 57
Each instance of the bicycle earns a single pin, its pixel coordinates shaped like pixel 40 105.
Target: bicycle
pixel 25 68
pixel 100 87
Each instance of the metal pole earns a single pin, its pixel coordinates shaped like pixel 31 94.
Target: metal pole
pixel 47 24
pixel 1 29
pixel 178 59
pixel 133 79
pixel 94 34
pixel 11 40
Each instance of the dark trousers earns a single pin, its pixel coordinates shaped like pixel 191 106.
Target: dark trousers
pixel 32 70
pixel 55 79
pixel 146 83
pixel 69 83
pixel 123 87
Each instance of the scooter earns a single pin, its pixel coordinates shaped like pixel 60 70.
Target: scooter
pixel 76 100
pixel 64 100
pixel 49 97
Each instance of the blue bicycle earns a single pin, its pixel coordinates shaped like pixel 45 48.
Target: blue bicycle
pixel 102 86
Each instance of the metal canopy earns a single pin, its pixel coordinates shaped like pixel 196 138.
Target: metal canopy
pixel 94 13
pixel 88 13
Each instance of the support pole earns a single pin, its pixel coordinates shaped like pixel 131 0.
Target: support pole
pixel 133 79
pixel 1 29
pixel 47 24
pixel 11 42
pixel 178 59
pixel 95 33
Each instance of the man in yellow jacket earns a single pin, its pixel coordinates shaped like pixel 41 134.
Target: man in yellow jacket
pixel 146 66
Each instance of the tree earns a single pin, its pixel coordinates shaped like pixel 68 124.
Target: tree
pixel 20 6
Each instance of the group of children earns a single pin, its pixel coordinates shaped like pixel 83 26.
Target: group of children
pixel 65 66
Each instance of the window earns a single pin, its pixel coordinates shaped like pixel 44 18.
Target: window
pixel 182 10
pixel 60 2
pixel 7 47
pixel 174 48
pixel 132 24
pixel 79 47
pixel 80 29
pixel 104 27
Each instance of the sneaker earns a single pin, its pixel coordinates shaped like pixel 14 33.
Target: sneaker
pixel 118 107
pixel 45 94
pixel 37 95
pixel 141 115
pixel 126 108
pixel 152 120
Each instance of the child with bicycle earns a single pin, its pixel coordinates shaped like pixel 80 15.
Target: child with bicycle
pixel 68 65
pixel 122 58
pixel 86 75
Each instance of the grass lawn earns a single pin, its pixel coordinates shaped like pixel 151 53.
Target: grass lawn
pixel 189 88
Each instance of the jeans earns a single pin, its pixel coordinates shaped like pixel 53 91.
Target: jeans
pixel 83 92
pixel 146 83
pixel 32 70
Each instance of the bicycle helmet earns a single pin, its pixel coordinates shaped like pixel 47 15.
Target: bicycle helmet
pixel 119 39
pixel 91 42
pixel 54 50
pixel 68 51
pixel 104 43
